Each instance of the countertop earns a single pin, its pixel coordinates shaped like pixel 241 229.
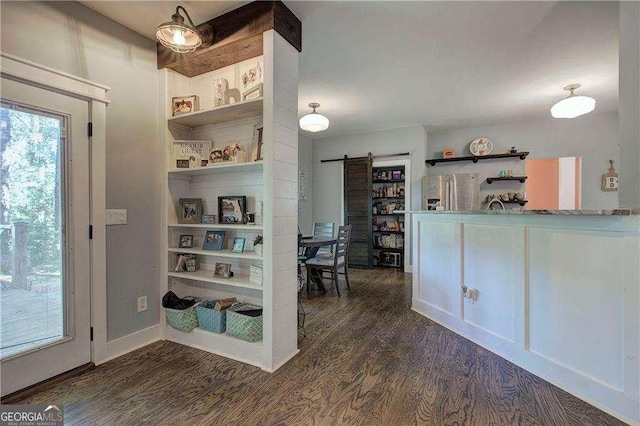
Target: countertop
pixel 603 212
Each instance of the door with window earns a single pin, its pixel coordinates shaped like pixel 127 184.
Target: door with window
pixel 44 234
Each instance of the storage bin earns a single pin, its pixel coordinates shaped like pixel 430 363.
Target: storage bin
pixel 244 327
pixel 184 319
pixel 211 320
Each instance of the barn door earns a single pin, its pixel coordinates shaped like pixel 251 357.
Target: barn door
pixel 358 210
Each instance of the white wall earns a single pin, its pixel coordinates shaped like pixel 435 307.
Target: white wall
pixel 594 137
pixel 305 164
pixel 629 172
pixel 327 177
pixel 73 38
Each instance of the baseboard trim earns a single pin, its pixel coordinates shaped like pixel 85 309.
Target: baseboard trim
pixel 18 396
pixel 131 342
pixel 286 360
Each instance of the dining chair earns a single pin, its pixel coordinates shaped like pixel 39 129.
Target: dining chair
pixel 332 264
pixel 324 230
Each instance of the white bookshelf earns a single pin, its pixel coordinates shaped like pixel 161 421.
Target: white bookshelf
pixel 267 186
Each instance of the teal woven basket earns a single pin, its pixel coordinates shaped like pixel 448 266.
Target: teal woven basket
pixel 242 326
pixel 184 319
pixel 209 319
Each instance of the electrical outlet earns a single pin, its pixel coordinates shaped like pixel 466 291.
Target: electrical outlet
pixel 142 303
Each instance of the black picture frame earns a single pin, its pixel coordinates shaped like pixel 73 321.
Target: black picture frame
pixel 213 240
pixel 231 209
pixel 185 241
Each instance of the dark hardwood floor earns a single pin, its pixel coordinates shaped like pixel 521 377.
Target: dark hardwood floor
pixel 367 360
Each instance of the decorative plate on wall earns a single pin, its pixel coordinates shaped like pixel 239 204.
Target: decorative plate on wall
pixel 481 146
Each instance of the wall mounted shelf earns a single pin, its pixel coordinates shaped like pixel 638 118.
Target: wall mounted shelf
pixel 433 161
pixel 522 179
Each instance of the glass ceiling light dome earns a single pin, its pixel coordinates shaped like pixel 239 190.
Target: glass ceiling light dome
pixel 314 122
pixel 178 36
pixel 574 105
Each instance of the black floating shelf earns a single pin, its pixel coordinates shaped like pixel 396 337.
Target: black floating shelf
pixel 388 198
pixel 475 159
pixel 520 178
pixel 388 181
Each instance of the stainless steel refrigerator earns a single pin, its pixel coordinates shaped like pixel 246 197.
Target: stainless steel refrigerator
pixel 452 192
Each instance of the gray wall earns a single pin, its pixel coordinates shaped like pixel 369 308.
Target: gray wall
pixel 305 208
pixel 73 38
pixel 327 177
pixel 594 137
pixel 629 173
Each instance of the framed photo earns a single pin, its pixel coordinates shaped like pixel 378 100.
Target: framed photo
pixel 186 263
pixel 215 156
pixel 253 93
pixel 182 164
pixel 184 104
pixel 231 209
pixel 213 240
pixel 209 218
pixel 190 210
pixel 238 244
pixel 186 241
pixel 222 270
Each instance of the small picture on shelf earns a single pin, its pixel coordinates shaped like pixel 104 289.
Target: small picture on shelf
pixel 222 270
pixel 184 104
pixel 209 218
pixel 186 263
pixel 231 209
pixel 213 240
pixel 182 164
pixel 186 241
pixel 190 210
pixel 238 244
pixel 253 93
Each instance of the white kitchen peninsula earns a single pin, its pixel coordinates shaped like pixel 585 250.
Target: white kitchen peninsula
pixel 557 293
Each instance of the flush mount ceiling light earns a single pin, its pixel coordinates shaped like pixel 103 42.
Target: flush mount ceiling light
pixel 574 105
pixel 314 122
pixel 178 36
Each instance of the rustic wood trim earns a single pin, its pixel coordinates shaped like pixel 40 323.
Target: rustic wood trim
pixel 235 36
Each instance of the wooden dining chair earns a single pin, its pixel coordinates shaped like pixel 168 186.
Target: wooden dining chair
pixel 332 264
pixel 324 230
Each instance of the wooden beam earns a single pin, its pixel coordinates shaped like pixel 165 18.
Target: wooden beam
pixel 237 36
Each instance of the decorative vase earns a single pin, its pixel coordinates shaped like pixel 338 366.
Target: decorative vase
pixel 258 249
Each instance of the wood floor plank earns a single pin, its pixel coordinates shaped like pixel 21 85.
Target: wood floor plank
pixel 367 360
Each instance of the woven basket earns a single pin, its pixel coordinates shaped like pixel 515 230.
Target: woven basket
pixel 211 320
pixel 242 326
pixel 184 319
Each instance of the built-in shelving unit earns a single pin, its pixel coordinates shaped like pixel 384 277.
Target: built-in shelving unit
pixel 243 123
pixel 475 159
pixel 388 195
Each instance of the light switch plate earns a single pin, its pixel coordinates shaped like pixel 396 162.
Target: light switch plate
pixel 116 217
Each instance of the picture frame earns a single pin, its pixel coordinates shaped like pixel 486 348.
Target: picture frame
pixel 213 240
pixel 186 263
pixel 238 245
pixel 209 218
pixel 222 270
pixel 185 241
pixel 231 208
pixel 182 164
pixel 190 210
pixel 254 92
pixel 184 104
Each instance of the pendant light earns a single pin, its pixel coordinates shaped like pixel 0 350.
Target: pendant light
pixel 314 122
pixel 573 106
pixel 178 36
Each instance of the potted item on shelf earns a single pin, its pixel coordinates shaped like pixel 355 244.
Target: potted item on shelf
pixel 257 245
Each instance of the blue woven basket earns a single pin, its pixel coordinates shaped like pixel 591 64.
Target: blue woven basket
pixel 211 320
pixel 183 319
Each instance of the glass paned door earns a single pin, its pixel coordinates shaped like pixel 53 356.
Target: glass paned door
pixel 31 229
pixel 45 256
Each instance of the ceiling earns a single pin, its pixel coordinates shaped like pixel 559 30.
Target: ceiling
pixel 388 64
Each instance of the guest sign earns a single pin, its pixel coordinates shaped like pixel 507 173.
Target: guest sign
pixel 610 180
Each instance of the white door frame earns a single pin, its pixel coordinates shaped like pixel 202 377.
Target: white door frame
pixel 41 76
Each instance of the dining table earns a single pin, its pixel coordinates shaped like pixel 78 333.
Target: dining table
pixel 311 247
